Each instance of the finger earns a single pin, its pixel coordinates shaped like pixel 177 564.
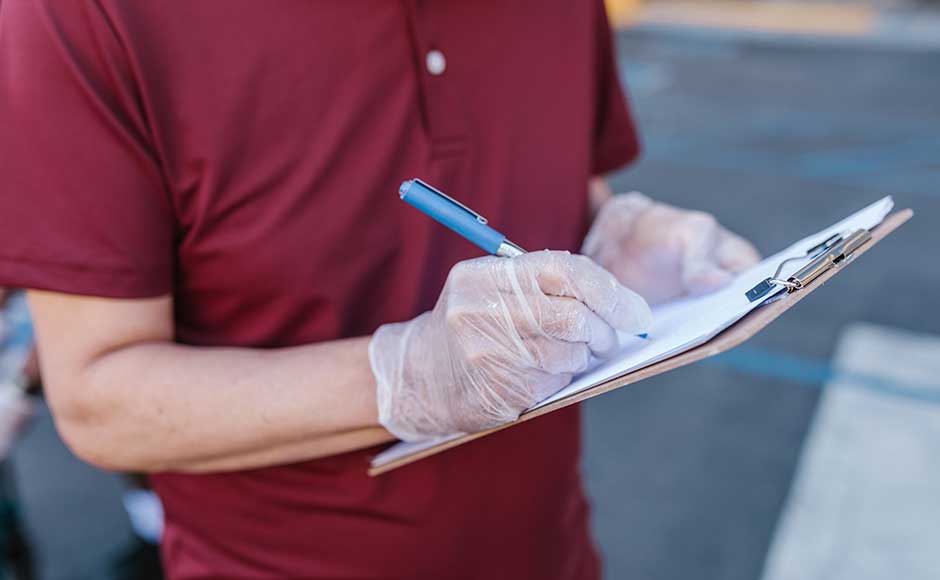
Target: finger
pixel 698 234
pixel 705 278
pixel 568 320
pixel 504 357
pixel 557 357
pixel 700 238
pixel 614 221
pixel 573 276
pixel 734 253
pixel 545 385
pixel 512 319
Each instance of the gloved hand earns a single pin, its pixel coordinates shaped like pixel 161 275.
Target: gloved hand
pixel 664 252
pixel 505 334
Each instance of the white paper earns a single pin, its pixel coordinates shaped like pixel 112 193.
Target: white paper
pixel 684 324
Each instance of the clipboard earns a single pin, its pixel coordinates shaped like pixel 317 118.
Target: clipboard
pixel 828 263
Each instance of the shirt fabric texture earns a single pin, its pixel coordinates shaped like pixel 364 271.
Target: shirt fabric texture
pixel 245 157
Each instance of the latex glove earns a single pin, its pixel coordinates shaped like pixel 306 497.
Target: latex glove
pixel 664 252
pixel 505 334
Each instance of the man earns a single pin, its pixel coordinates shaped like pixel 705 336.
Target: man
pixel 223 267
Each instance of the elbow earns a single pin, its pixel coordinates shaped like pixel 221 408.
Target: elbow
pixel 91 428
pixel 87 432
pixel 89 450
pixel 85 444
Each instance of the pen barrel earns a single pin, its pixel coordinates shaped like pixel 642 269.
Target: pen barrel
pixel 455 216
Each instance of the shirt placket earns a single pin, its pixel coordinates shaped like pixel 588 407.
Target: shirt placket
pixel 445 121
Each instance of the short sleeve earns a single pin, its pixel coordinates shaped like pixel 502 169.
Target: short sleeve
pixel 616 142
pixel 83 209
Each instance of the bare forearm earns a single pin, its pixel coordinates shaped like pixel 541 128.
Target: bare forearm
pixel 157 406
pixel 322 446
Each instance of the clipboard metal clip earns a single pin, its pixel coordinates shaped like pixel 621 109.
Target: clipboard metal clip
pixel 831 253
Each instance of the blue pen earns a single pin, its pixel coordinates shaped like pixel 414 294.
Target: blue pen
pixel 460 218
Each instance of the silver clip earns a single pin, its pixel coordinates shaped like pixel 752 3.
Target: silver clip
pixel 478 217
pixel 832 258
pixel 829 254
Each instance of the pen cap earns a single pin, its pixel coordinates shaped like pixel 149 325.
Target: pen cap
pixel 452 214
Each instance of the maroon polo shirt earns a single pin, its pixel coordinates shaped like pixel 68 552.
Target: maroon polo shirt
pixel 244 156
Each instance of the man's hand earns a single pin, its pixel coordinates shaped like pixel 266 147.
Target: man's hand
pixel 505 334
pixel 664 252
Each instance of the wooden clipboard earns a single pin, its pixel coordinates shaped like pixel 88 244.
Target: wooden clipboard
pixel 742 330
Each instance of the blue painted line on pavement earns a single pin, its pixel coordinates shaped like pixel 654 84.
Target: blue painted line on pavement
pixel 818 373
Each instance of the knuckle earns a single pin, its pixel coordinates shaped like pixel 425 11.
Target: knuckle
pixel 701 219
pixel 555 260
pixel 554 358
pixel 550 276
pixel 571 326
pixel 541 358
pixel 459 273
pixel 580 259
pixel 458 317
pixel 472 271
pixel 581 265
pixel 477 357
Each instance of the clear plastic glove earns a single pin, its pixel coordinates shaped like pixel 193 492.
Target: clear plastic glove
pixel 664 252
pixel 505 334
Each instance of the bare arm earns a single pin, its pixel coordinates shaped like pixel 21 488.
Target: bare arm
pixel 126 397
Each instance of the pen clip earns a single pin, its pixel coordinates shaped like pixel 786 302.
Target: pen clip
pixel 477 216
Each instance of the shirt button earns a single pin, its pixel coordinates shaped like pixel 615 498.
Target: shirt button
pixel 435 62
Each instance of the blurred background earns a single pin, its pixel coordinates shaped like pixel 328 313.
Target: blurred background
pixel 810 452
